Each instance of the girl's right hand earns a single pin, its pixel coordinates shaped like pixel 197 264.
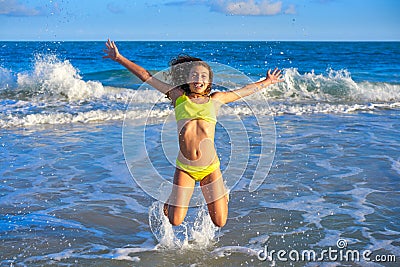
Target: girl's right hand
pixel 111 51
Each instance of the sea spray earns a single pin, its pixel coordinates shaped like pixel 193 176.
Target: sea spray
pixel 194 233
pixel 52 76
pixel 204 230
pixel 7 79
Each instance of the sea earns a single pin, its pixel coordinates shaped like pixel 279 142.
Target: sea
pixel 312 164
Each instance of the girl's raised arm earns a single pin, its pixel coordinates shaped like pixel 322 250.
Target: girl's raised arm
pixel 113 53
pixel 226 97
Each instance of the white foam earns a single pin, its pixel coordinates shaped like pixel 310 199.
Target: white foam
pixel 228 250
pixel 93 252
pixel 149 111
pixel 60 118
pixel 196 234
pixel 203 231
pixel 52 76
pixel 81 117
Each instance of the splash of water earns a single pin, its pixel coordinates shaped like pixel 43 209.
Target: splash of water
pixel 52 76
pixel 194 233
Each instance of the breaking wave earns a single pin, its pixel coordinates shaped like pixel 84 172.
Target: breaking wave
pixel 54 92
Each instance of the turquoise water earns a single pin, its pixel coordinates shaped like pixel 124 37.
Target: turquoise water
pixel 67 196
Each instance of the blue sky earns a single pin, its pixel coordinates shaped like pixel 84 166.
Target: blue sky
pixel 303 20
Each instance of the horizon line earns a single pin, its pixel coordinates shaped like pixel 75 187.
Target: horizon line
pixel 198 40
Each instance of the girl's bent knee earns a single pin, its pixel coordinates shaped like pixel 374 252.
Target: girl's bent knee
pixel 176 217
pixel 219 220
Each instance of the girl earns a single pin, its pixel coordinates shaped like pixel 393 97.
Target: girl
pixel 195 112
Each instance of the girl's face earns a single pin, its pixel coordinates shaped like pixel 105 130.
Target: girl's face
pixel 199 78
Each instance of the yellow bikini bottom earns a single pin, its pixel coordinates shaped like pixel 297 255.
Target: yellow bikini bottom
pixel 197 172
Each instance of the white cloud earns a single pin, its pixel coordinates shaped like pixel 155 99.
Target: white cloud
pixel 251 8
pixel 242 8
pixel 16 9
pixel 291 10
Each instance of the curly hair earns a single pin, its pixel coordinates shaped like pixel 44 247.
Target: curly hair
pixel 180 68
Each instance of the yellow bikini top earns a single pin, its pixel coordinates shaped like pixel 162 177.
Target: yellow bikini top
pixel 186 109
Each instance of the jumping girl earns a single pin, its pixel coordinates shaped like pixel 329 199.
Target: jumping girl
pixel 196 110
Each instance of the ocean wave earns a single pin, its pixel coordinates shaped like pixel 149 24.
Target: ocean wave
pixel 54 92
pixel 60 118
pixel 54 78
pixel 333 86
pixel 159 112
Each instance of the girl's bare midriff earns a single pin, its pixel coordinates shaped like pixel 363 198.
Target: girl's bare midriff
pixel 196 142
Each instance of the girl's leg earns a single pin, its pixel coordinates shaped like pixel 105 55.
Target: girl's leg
pixel 178 201
pixel 216 196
